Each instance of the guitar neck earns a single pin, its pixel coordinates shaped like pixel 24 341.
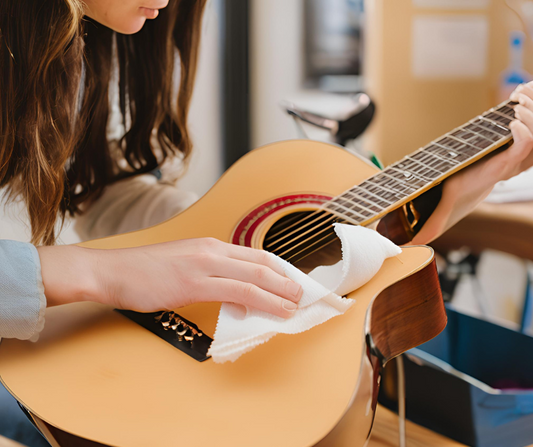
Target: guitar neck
pixel 418 172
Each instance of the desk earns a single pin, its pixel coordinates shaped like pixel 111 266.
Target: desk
pixel 385 433
pixel 507 227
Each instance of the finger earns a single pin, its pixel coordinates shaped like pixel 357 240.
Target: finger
pixel 524 114
pixel 260 275
pixel 525 101
pixel 239 292
pixel 525 89
pixel 511 162
pixel 215 246
pixel 253 255
pixel 522 134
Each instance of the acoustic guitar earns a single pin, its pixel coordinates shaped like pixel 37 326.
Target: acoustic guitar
pixel 101 377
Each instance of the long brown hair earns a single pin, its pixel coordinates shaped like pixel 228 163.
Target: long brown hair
pixel 55 71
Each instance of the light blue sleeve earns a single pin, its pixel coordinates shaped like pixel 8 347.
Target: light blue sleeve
pixel 22 300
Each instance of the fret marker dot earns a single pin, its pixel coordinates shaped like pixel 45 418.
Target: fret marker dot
pixel 452 154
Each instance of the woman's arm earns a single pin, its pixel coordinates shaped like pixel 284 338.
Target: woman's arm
pixel 466 189
pixel 168 276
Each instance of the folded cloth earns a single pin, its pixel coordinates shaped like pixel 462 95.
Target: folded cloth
pixel 240 329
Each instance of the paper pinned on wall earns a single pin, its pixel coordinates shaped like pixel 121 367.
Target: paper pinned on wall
pixel 449 47
pixel 452 4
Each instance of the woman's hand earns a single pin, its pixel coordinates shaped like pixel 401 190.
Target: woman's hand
pixel 168 276
pixel 466 189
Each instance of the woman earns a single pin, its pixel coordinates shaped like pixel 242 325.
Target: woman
pixel 57 62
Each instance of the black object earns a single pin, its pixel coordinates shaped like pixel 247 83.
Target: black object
pixel 343 130
pixel 236 80
pixel 454 271
pixel 197 348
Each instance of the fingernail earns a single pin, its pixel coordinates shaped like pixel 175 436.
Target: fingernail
pixel 522 99
pixel 514 97
pixel 289 305
pixel 294 289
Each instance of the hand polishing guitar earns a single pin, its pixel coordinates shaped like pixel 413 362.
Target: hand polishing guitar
pixel 121 379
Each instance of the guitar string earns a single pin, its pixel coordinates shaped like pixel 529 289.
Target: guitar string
pixel 299 237
pixel 330 234
pixel 297 241
pixel 296 245
pixel 321 215
pixel 296 224
pixel 318 214
pixel 281 226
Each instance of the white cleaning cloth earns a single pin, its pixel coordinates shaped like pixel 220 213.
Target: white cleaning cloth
pixel 240 329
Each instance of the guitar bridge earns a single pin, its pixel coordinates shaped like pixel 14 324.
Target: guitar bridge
pixel 174 329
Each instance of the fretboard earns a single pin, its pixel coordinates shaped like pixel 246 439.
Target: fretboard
pixel 406 179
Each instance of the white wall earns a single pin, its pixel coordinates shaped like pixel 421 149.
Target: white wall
pixel 206 163
pixel 276 63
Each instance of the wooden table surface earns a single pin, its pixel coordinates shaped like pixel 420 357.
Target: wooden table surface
pixel 385 433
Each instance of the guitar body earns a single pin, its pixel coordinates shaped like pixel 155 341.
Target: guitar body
pixel 94 374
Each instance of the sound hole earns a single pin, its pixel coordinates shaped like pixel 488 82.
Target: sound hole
pixel 305 239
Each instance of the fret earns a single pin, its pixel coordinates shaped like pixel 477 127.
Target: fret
pixel 430 164
pixel 501 120
pixel 424 154
pixel 431 161
pixel 507 111
pixel 348 213
pixel 376 191
pixel 386 193
pixel 364 204
pixel 420 169
pixel 443 151
pixel 488 125
pixel 472 138
pixel 399 186
pixel 478 142
pixel 403 176
pixel 342 201
pixel 364 194
pixel 409 176
pixel 453 143
pixel 495 123
pixel 482 132
pixel 503 115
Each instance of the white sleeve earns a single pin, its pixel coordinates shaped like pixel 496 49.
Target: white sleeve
pixel 131 204
pixel 22 299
